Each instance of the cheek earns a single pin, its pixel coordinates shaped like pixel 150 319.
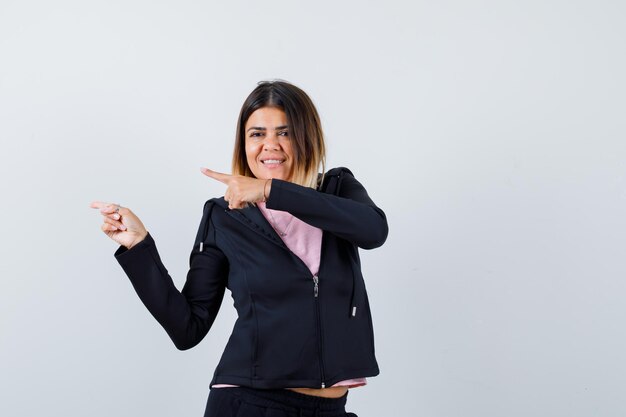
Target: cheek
pixel 251 152
pixel 287 149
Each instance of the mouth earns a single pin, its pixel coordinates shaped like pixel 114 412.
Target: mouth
pixel 272 162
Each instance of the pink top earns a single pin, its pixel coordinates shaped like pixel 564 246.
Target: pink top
pixel 306 242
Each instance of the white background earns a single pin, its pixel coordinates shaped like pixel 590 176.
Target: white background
pixel 491 132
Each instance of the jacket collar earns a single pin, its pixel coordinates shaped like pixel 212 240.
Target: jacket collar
pixel 252 217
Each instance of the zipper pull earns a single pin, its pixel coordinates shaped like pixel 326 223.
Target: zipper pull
pixel 323 385
pixel 315 286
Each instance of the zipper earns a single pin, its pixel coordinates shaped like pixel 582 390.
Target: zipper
pixel 319 326
pixel 316 287
pixel 316 292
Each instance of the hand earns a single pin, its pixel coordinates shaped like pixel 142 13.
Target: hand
pixel 123 227
pixel 241 190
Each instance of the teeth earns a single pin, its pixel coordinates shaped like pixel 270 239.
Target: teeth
pixel 272 161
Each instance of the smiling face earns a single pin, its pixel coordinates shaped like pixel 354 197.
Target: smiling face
pixel 269 150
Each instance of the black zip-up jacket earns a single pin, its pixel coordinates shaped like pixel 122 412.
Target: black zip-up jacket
pixel 293 329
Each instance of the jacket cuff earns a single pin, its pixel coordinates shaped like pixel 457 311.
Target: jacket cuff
pixel 125 256
pixel 279 192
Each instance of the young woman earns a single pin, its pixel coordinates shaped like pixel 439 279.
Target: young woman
pixel 284 240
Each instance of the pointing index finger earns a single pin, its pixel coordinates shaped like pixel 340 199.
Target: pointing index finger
pixel 224 178
pixel 103 206
pixel 99 204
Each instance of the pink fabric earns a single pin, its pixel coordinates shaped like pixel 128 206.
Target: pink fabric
pixel 301 238
pixel 306 242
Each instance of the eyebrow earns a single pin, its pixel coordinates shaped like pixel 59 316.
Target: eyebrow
pixel 263 128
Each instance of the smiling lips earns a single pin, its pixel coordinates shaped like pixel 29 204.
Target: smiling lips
pixel 272 162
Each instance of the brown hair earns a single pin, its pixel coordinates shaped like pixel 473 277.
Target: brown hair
pixel 305 130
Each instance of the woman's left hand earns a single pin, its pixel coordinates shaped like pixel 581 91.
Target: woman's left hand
pixel 241 190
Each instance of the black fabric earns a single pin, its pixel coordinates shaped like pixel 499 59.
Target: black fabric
pixel 287 334
pixel 249 402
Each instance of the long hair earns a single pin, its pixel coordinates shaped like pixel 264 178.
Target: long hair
pixel 305 130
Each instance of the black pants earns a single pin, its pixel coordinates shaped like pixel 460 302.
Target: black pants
pixel 249 402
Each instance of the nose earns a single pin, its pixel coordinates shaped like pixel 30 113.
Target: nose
pixel 271 142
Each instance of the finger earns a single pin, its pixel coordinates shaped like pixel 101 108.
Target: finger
pixel 98 204
pixel 236 204
pixel 114 223
pixel 107 228
pixel 223 178
pixel 113 216
pixel 115 208
pixel 109 210
pixel 103 206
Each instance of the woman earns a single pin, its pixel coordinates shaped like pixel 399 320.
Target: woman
pixel 284 240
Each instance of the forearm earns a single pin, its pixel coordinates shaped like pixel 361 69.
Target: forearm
pixel 352 215
pixel 185 323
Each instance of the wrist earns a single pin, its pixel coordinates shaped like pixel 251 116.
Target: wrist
pixel 132 245
pixel 267 187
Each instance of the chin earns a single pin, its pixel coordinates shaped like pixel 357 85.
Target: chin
pixel 266 174
pixel 276 175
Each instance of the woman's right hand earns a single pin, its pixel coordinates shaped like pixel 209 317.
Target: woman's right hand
pixel 124 227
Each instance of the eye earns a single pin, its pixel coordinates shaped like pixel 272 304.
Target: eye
pixel 283 133
pixel 255 134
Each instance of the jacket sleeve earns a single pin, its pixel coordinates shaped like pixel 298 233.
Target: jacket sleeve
pixel 351 215
pixel 186 316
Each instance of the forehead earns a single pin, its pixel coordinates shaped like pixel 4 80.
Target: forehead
pixel 267 117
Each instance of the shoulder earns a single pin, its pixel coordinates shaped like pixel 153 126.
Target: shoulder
pixel 338 171
pixel 213 203
pixel 331 181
